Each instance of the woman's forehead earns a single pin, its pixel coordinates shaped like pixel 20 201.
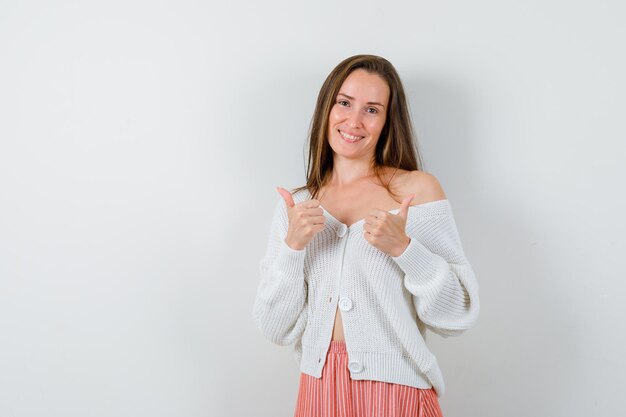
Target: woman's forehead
pixel 366 86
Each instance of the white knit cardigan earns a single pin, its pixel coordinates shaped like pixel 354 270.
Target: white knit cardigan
pixel 386 302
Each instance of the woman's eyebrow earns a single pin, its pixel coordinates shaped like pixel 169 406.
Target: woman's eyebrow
pixel 369 102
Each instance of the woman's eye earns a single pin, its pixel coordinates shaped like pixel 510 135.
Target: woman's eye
pixel 342 102
pixel 372 110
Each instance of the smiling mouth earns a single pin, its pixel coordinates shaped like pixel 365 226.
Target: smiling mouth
pixel 350 138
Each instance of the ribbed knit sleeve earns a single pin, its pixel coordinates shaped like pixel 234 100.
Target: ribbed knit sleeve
pixel 439 276
pixel 279 307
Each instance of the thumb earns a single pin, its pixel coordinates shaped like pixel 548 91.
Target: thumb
pixel 286 195
pixel 404 208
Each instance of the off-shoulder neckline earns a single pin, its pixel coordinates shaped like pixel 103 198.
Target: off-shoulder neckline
pixel 392 211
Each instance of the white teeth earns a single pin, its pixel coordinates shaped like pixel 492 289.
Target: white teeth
pixel 350 137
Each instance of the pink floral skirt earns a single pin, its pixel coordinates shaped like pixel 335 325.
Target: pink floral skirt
pixel 335 394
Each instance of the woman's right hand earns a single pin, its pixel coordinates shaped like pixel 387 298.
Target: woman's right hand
pixel 306 219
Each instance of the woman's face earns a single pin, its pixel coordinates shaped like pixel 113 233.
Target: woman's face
pixel 358 115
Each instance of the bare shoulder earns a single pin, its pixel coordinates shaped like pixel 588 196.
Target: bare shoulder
pixel 424 185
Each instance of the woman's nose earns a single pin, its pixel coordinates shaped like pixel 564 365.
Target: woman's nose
pixel 354 120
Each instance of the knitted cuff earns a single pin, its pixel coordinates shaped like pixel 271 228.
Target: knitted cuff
pixel 419 262
pixel 290 262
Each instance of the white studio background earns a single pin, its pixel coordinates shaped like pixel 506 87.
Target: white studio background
pixel 141 143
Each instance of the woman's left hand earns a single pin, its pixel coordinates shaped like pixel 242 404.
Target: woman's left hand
pixel 386 231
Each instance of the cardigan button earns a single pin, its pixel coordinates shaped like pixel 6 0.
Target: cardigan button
pixel 355 366
pixel 342 230
pixel 345 303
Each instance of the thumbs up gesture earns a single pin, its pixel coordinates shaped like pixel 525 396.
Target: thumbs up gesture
pixel 386 231
pixel 306 219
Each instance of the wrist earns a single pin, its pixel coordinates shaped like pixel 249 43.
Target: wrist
pixel 293 245
pixel 400 250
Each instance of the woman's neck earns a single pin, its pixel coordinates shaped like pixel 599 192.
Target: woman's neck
pixel 348 171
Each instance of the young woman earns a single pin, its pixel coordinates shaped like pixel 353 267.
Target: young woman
pixel 365 257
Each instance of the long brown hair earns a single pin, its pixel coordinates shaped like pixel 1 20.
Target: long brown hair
pixel 396 146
